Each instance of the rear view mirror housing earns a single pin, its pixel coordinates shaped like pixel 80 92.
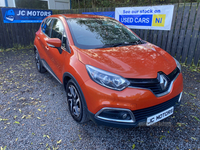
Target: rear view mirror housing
pixel 55 43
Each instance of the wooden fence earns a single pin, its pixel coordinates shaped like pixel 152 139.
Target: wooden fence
pixel 182 41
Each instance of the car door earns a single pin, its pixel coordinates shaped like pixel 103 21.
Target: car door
pixel 57 59
pixel 43 36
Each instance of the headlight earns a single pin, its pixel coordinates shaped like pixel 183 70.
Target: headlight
pixel 178 64
pixel 107 79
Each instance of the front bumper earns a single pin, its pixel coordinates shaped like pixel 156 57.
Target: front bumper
pixel 98 97
pixel 140 115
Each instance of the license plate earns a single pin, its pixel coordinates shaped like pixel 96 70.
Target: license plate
pixel 160 116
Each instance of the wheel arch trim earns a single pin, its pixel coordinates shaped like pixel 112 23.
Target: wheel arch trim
pixel 35 47
pixel 70 76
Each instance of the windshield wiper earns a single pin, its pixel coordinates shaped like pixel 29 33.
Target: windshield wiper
pixel 123 44
pixel 118 44
pixel 137 42
pixel 128 43
pixel 113 45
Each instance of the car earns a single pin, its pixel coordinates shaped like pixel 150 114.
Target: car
pixel 110 75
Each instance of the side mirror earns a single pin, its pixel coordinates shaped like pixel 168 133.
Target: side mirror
pixel 55 43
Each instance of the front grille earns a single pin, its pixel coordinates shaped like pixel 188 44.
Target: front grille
pixel 154 84
pixel 150 111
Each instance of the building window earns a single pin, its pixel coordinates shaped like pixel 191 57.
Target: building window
pixel 33 4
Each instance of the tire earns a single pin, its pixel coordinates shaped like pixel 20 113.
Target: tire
pixel 38 62
pixel 76 102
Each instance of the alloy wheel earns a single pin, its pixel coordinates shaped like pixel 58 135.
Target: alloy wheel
pixel 74 101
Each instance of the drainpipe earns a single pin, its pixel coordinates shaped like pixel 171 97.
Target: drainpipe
pixel 6 2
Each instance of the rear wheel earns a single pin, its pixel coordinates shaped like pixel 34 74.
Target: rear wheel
pixel 38 62
pixel 76 104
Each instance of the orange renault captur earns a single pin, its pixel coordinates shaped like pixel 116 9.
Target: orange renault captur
pixel 110 75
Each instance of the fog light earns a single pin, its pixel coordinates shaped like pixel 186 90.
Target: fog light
pixel 180 97
pixel 124 116
pixel 116 114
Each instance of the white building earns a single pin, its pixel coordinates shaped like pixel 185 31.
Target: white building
pixel 2 3
pixel 51 4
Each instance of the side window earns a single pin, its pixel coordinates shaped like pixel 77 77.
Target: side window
pixel 59 32
pixel 64 40
pixel 46 26
pixel 57 29
pixel 42 25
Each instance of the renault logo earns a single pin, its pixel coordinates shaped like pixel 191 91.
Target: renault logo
pixel 163 82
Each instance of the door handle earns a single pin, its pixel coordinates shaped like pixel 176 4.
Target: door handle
pixel 47 48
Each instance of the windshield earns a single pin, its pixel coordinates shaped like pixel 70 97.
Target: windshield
pixel 92 33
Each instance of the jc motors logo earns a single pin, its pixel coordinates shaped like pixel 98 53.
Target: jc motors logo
pixel 9 15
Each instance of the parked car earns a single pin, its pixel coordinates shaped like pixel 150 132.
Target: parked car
pixel 110 75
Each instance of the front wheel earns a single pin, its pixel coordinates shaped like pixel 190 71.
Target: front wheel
pixel 76 104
